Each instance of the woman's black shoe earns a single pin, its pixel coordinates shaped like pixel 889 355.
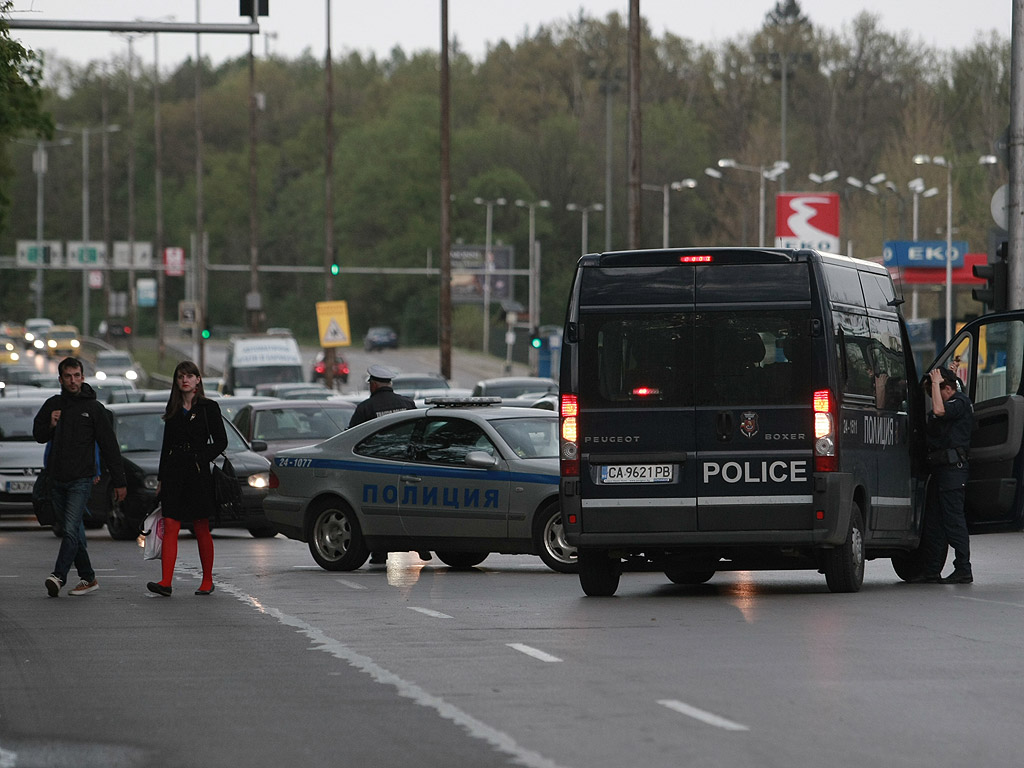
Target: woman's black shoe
pixel 206 591
pixel 160 589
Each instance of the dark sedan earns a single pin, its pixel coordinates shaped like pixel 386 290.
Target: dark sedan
pixel 280 424
pixel 140 430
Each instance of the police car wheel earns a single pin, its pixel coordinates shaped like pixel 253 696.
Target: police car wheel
pixel 461 559
pixel 549 539
pixel 599 572
pixel 844 565
pixel 683 576
pixel 335 538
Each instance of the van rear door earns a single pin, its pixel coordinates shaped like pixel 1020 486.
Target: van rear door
pixel 988 356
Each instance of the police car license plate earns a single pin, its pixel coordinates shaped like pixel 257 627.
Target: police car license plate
pixel 20 486
pixel 636 473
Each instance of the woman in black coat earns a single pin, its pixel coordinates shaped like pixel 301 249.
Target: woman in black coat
pixel 193 437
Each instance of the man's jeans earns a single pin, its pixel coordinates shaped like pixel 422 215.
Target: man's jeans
pixel 69 502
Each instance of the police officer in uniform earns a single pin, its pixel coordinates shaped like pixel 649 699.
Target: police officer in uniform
pixel 382 401
pixel 949 427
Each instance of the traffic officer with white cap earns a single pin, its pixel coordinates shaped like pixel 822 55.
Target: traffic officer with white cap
pixel 382 401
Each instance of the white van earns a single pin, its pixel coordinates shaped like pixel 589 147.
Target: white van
pixel 263 359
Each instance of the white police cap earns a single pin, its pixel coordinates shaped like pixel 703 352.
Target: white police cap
pixel 379 373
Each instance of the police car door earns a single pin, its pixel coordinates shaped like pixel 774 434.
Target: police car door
pixel 988 356
pixel 443 496
pixel 754 392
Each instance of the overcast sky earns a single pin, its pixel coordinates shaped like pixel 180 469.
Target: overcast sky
pixel 294 26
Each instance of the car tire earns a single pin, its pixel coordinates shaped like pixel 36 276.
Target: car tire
pixel 119 528
pixel 335 538
pixel 844 565
pixel 683 576
pixel 461 560
pixel 549 540
pixel 599 572
pixel 262 532
pixel 909 565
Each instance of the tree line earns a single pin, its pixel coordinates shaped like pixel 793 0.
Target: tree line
pixel 529 122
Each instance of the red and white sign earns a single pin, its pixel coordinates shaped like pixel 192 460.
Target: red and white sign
pixel 807 220
pixel 174 262
pixel 95 279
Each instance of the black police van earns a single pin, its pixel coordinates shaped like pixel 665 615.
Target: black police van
pixel 752 408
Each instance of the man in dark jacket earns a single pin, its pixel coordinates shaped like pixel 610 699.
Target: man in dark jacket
pixel 75 424
pixel 949 428
pixel 382 401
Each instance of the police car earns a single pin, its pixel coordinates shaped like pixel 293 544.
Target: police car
pixel 460 477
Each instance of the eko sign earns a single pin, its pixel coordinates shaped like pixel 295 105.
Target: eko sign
pixel 922 253
pixel 805 220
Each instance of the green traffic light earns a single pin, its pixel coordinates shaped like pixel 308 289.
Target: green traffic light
pixel 334 269
pixel 535 342
pixel 206 333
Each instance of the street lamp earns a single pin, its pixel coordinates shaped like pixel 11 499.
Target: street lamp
pixel 766 174
pixel 823 178
pixel 916 186
pixel 488 265
pixel 678 186
pixel 585 210
pixel 948 165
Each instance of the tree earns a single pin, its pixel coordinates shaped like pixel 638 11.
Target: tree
pixel 21 99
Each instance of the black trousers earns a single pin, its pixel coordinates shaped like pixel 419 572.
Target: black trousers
pixel 945 523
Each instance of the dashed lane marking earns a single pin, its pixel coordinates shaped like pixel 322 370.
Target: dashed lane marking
pixel 702 715
pixel 534 652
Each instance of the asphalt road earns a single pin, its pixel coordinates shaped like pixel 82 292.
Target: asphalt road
pixel 506 664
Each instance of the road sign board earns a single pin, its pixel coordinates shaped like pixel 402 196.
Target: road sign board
pixel 186 314
pixel 174 262
pixel 137 255
pixel 922 253
pixel 87 255
pixel 145 291
pixel 1000 205
pixel 332 320
pixel 95 278
pixel 30 255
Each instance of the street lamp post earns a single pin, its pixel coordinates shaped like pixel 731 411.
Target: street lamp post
pixel 765 174
pixel 678 186
pixel 39 167
pixel 716 174
pixel 916 186
pixel 488 265
pixel 585 211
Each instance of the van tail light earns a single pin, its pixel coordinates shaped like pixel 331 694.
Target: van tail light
pixel 825 458
pixel 568 436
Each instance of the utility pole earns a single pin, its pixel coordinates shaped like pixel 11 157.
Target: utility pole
pixel 329 191
pixel 445 323
pixel 635 142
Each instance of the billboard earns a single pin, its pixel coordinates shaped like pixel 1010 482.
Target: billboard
pixel 807 220
pixel 468 273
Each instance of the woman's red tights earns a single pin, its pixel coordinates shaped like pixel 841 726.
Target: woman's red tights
pixel 169 552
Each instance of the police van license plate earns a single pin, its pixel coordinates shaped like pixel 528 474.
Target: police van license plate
pixel 20 486
pixel 636 473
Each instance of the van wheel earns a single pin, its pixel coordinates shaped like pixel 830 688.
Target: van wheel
pixel 335 538
pixel 599 572
pixel 461 560
pixel 683 576
pixel 549 539
pixel 909 565
pixel 844 565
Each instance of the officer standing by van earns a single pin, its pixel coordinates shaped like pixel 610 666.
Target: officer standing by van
pixel 382 401
pixel 948 431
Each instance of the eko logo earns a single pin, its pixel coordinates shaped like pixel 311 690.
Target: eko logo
pixel 807 221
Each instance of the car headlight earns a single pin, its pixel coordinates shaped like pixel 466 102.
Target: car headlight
pixel 51 344
pixel 101 375
pixel 76 343
pixel 15 357
pixel 131 375
pixel 259 480
pixel 150 482
pixel 38 344
pixel 30 336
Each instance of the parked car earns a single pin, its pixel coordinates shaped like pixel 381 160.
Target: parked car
pixel 139 429
pixel 515 386
pixel 230 405
pixel 61 341
pixel 460 481
pixel 380 337
pixel 281 424
pixel 9 347
pixel 113 363
pixel 413 384
pixel 341 370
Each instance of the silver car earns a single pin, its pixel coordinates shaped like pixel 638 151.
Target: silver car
pixel 459 481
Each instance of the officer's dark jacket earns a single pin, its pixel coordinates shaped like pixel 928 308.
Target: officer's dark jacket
pixel 380 403
pixel 84 424
pixel 953 430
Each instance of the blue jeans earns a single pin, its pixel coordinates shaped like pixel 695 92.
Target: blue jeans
pixel 69 502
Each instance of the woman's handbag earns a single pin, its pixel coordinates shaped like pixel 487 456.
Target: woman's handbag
pixel 226 490
pixel 153 535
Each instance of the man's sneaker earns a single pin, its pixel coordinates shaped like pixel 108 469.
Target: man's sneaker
pixel 959 577
pixel 85 587
pixel 53 584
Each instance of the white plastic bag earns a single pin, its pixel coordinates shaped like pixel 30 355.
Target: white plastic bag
pixel 153 533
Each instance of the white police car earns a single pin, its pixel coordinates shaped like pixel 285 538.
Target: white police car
pixel 461 478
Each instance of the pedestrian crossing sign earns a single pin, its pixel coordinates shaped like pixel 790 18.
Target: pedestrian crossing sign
pixel 332 321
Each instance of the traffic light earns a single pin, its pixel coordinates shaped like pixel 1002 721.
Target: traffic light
pixel 334 269
pixel 206 333
pixel 995 273
pixel 535 339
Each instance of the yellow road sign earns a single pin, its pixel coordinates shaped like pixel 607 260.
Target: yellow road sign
pixel 332 320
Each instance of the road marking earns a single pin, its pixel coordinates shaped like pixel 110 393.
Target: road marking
pixel 428 612
pixel 307 568
pixel 350 584
pixel 499 740
pixel 537 654
pixel 705 717
pixel 8 759
pixel 994 602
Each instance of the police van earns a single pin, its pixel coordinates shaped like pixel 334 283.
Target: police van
pixel 751 408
